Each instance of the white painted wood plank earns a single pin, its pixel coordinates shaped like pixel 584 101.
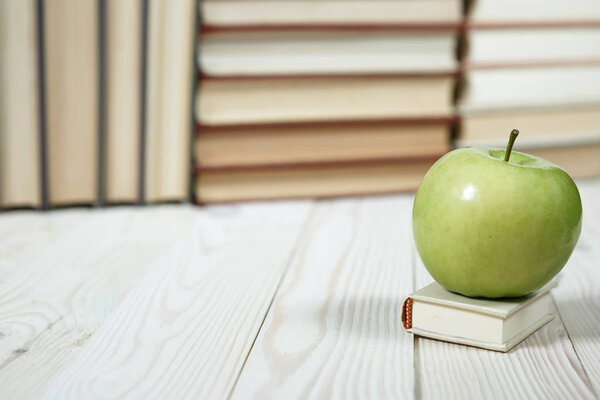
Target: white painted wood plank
pixel 27 240
pixel 334 330
pixel 40 269
pixel 545 366
pixel 22 231
pixel 81 265
pixel 577 296
pixel 185 330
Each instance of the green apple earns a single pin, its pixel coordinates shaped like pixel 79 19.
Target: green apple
pixel 491 223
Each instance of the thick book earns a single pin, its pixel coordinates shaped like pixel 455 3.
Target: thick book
pixel 310 12
pixel 71 76
pixel 123 101
pixel 494 324
pixel 20 169
pixel 519 12
pixel 501 90
pixel 168 100
pixel 554 125
pixel 290 52
pixel 310 180
pixel 578 160
pixel 310 99
pixel 578 156
pixel 568 136
pixel 527 46
pixel 253 145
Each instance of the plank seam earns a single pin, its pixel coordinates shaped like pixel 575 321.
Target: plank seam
pixel 416 359
pixel 587 377
pixel 416 362
pixel 301 238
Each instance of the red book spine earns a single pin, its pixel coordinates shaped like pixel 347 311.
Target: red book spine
pixel 442 120
pixel 319 164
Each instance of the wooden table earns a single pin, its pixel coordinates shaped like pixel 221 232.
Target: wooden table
pixel 278 300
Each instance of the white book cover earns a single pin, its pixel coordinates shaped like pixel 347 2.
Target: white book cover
pixel 324 12
pixel 293 52
pixel 528 11
pixel 494 324
pixel 506 89
pixel 528 46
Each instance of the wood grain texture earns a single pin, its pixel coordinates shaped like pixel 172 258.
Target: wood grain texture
pixel 545 365
pixel 23 267
pixel 263 300
pixel 82 265
pixel 577 297
pixel 334 330
pixel 186 329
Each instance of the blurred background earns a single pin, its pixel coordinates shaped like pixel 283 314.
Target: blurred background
pixel 142 101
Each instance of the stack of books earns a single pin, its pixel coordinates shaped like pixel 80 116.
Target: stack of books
pixel 95 102
pixel 317 98
pixel 534 65
pixel 104 103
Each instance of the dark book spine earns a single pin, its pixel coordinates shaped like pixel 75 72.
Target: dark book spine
pixel 451 26
pixel 142 134
pixel 439 120
pixel 42 106
pixel 101 101
pixel 408 74
pixel 195 83
pixel 295 165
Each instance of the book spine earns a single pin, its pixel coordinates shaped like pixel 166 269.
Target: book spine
pixel 101 101
pixel 531 24
pixel 431 158
pixel 42 106
pixel 201 202
pixel 441 120
pixel 398 27
pixel 407 313
pixel 195 82
pixel 459 26
pixel 143 76
pixel 456 72
pixel 466 66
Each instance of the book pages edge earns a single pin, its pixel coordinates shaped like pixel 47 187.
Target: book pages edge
pixel 501 347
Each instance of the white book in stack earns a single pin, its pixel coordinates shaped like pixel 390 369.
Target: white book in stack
pixel 514 12
pixel 297 52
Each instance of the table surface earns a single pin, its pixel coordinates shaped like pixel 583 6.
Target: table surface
pixel 282 300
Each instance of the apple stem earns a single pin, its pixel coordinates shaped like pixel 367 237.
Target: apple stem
pixel 511 140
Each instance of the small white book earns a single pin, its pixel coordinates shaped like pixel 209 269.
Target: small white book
pixel 494 324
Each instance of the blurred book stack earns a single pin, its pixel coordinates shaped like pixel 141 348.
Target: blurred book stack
pixel 308 98
pixel 95 101
pixel 534 65
pixel 104 103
